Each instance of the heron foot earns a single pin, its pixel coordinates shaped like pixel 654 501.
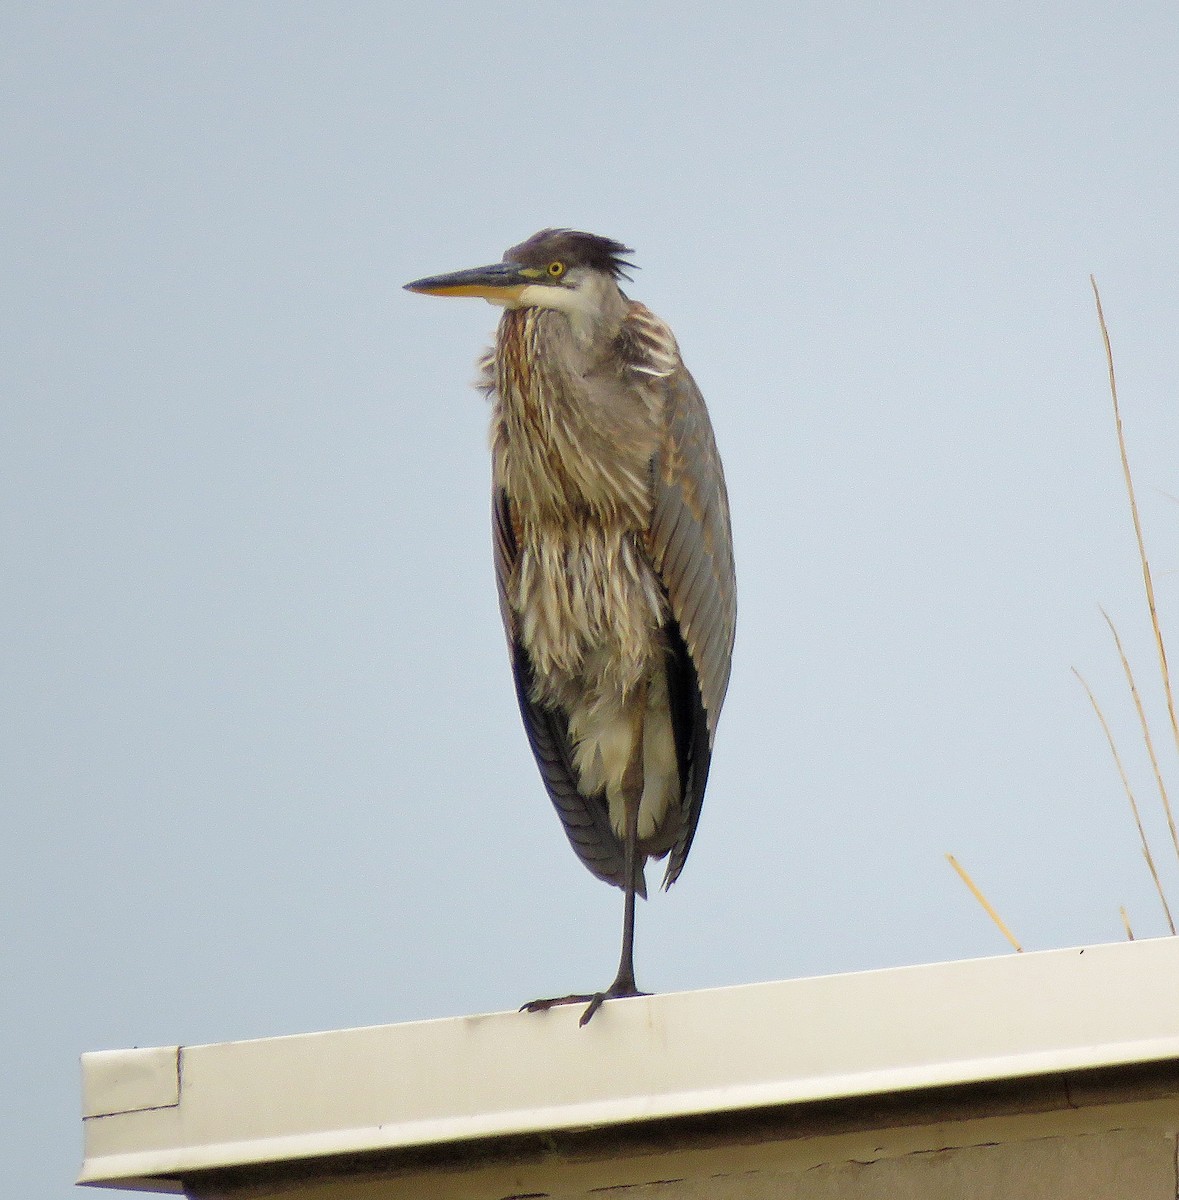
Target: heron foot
pixel 545 1005
pixel 593 1000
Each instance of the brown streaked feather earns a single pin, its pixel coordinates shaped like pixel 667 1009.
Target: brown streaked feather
pixel 675 503
pixel 586 819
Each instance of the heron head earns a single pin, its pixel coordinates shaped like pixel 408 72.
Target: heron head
pixel 556 268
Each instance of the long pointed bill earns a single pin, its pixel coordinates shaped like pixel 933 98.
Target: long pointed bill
pixel 501 283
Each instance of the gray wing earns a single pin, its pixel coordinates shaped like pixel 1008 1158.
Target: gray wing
pixel 691 546
pixel 586 818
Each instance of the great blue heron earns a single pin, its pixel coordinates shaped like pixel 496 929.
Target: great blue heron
pixel 613 556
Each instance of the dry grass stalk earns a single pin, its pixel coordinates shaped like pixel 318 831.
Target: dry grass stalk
pixel 987 907
pixel 1147 739
pixel 1130 796
pixel 1126 924
pixel 1146 576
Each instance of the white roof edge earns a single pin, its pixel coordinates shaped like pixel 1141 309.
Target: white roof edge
pixel 119 1081
pixel 449 1081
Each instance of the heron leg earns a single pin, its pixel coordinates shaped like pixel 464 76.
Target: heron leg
pixel 632 790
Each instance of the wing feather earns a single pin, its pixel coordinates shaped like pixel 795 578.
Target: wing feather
pixel 690 543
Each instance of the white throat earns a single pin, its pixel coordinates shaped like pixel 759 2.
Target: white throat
pixel 583 304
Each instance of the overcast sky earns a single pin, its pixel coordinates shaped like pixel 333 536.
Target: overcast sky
pixel 262 769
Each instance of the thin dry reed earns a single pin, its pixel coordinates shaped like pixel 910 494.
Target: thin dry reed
pixel 1160 649
pixel 988 908
pixel 1144 724
pixel 1129 796
pixel 1146 575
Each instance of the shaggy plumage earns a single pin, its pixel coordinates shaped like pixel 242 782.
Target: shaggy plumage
pixel 613 554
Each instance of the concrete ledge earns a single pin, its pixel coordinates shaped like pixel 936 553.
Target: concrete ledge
pixel 161 1118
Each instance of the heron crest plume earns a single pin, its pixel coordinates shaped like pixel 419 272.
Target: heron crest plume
pixel 574 249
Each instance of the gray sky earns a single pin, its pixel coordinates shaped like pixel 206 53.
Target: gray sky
pixel 261 763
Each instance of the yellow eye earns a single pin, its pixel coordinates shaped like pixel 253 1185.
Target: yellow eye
pixel 556 269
